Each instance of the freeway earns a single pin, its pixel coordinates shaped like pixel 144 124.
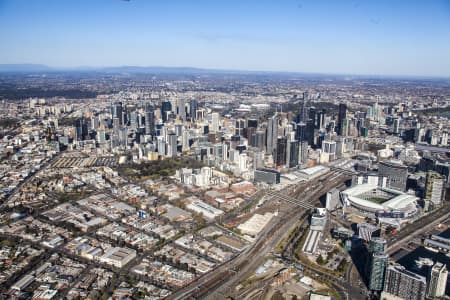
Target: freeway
pixel 221 280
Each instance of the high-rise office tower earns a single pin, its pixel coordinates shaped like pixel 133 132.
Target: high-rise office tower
pixel 95 123
pixel 329 147
pixel 166 108
pixel 272 134
pixel 81 129
pixel 396 125
pixel 215 122
pixel 310 132
pixel 396 172
pixel 305 95
pixel 116 125
pixel 342 114
pixel 293 153
pixel 378 263
pixel 303 152
pixel 178 129
pixel 345 127
pixel 181 109
pixel 303 112
pixel 300 132
pixel 402 283
pixel 123 136
pixel 377 244
pixel 250 129
pixel 239 127
pixel 320 119
pixel 134 122
pixel 161 144
pixel 434 188
pixel 200 114
pixel 149 120
pixel 444 139
pixel 280 157
pixel 172 144
pixel 101 137
pixel 288 151
pixel 437 280
pixel 117 111
pixel 312 115
pixel 258 139
pixel 193 106
pixel 185 140
pixel 252 123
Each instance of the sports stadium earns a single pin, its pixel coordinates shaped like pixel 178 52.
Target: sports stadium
pixel 383 202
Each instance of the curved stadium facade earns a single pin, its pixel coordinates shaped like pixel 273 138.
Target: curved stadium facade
pixel 385 202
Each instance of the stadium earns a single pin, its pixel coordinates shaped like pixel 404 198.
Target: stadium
pixel 383 202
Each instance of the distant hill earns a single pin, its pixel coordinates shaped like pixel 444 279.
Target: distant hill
pixel 37 68
pixel 30 68
pixel 24 68
pixel 136 69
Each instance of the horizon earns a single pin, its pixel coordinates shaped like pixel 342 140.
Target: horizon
pixel 25 68
pixel 401 39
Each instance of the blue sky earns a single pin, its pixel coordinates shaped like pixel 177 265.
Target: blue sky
pixel 355 37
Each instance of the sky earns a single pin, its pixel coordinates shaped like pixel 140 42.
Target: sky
pixel 392 37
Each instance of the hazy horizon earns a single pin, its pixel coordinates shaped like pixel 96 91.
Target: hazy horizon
pixel 383 38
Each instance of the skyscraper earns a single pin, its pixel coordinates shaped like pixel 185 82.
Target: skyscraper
pixel 215 122
pixel 320 120
pixel 239 127
pixel 396 125
pixel 377 244
pixel 303 112
pixel 280 157
pixel 193 106
pixel 117 111
pixel 181 109
pixel 342 114
pixel 404 284
pixel 149 120
pixel 172 144
pixel 310 132
pixel 166 107
pixel 81 129
pixel 378 263
pixel 329 147
pixel 396 172
pixel 134 120
pixel 300 132
pixel 312 115
pixel 303 153
pixel 345 127
pixel 437 280
pixel 272 134
pixel 434 188
pixel 258 139
pixel 293 153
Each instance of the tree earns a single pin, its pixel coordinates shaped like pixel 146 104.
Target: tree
pixel 277 296
pixel 320 260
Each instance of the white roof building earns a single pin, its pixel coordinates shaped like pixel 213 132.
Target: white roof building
pixel 372 198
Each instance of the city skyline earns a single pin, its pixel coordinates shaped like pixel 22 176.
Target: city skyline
pixel 405 38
